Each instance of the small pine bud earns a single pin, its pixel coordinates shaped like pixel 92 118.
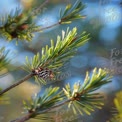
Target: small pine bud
pixel 24 27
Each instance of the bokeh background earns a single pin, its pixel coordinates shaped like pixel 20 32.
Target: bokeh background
pixel 104 23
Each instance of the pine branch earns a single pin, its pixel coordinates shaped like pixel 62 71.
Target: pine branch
pixel 54 58
pixel 48 27
pixel 21 25
pixel 70 13
pixel 80 98
pixel 24 118
pixel 31 114
pixel 84 99
pixel 45 67
pixel 16 84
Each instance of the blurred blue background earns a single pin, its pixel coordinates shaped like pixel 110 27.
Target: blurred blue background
pixel 104 23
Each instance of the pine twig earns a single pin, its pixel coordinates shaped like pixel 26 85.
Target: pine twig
pixel 21 26
pixel 68 15
pixel 55 57
pixel 16 84
pixel 23 119
pixel 81 98
pixel 48 27
pixel 30 114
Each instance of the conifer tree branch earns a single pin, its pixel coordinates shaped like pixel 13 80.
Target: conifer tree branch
pixel 81 98
pixel 23 118
pixel 31 114
pixel 21 26
pixel 16 84
pixel 53 58
pixel 70 13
